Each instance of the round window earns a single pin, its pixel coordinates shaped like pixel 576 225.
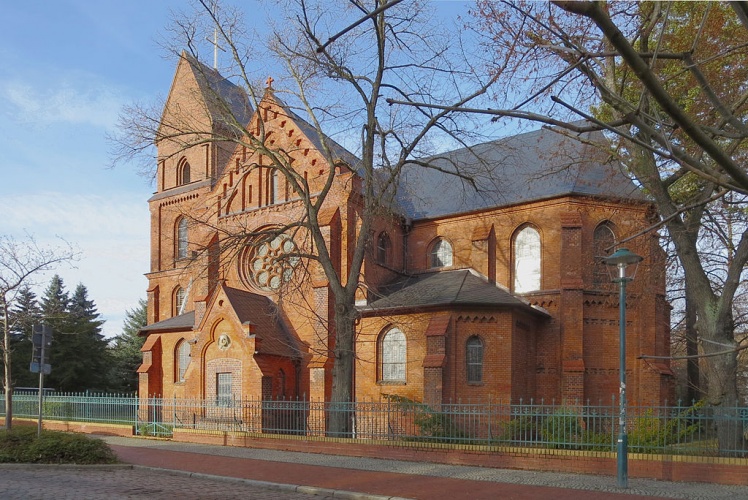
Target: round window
pixel 268 265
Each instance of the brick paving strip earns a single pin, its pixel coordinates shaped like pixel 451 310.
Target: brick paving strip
pixel 364 482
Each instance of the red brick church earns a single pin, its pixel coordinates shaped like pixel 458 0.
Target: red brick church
pixel 466 295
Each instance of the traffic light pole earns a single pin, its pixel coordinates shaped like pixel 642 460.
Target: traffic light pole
pixel 41 381
pixel 42 340
pixel 41 397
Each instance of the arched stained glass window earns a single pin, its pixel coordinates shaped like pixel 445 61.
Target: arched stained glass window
pixel 185 173
pixel 179 296
pixel 441 254
pixel 392 355
pixel 281 393
pixel 383 248
pixel 527 260
pixel 182 238
pixel 183 359
pixel 474 359
pixel 603 240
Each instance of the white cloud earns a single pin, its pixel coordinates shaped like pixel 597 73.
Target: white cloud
pixel 93 216
pixel 72 101
pixel 111 232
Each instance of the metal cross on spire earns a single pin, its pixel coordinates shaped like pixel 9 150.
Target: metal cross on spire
pixel 215 36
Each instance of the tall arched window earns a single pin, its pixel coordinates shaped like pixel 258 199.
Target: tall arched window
pixel 182 239
pixel 441 254
pixel 474 359
pixel 603 240
pixel 392 356
pixel 383 248
pixel 183 359
pixel 183 172
pixel 179 296
pixel 281 392
pixel 527 260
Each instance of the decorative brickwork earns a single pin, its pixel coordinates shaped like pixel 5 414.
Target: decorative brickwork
pixel 556 340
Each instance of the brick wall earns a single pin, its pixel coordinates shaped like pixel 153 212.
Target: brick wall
pixel 572 355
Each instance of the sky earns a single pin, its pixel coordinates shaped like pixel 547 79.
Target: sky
pixel 67 68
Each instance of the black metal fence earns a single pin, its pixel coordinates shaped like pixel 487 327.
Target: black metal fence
pixel 682 430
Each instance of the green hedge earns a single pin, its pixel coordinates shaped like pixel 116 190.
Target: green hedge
pixel 21 445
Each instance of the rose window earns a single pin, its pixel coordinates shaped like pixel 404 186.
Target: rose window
pixel 269 264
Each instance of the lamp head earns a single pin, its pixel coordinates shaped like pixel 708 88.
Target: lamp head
pixel 621 259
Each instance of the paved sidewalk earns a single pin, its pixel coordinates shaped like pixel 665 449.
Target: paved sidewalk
pixel 360 478
pixel 64 482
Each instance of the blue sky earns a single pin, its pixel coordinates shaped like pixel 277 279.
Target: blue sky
pixel 66 69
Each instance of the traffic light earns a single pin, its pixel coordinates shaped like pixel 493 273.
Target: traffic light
pixel 41 338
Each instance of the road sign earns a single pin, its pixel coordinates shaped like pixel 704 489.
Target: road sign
pixel 41 338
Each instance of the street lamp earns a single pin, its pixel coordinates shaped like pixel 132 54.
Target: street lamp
pixel 619 263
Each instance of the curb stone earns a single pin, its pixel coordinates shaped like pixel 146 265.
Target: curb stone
pixel 308 490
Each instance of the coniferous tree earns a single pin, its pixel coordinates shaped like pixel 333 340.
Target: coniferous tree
pixel 125 350
pixel 54 304
pixel 25 314
pixel 79 355
pixel 90 343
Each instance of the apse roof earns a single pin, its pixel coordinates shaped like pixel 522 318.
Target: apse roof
pixel 533 166
pixel 461 287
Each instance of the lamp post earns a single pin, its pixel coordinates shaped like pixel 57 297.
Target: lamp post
pixel 619 262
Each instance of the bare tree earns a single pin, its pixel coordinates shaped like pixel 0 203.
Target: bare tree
pixel 21 261
pixel 333 68
pixel 667 82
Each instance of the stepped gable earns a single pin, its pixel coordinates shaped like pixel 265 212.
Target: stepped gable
pixel 260 311
pixel 537 165
pixel 337 151
pixel 462 287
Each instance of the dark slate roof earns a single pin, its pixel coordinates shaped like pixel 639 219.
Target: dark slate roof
pixel 209 78
pixel 183 322
pixel 527 167
pixel 217 90
pixel 460 287
pixel 275 338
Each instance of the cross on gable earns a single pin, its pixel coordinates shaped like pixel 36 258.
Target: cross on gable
pixel 269 82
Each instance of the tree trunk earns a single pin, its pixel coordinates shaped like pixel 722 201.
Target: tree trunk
pixel 341 415
pixel 7 386
pixel 693 374
pixel 722 388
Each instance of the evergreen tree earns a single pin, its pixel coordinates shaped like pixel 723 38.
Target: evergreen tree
pixel 86 322
pixel 25 314
pixel 79 355
pixel 63 358
pixel 55 302
pixel 125 350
